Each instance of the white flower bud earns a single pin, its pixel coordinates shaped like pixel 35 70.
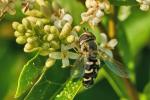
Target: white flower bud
pixel 50 37
pixel 68 18
pixel 84 17
pixel 49 62
pixel 90 3
pixel 47 28
pixel 99 13
pixel 140 1
pixel 77 28
pixel 65 30
pixel 146 2
pixel 144 7
pixel 95 21
pixel 58 24
pixel 101 6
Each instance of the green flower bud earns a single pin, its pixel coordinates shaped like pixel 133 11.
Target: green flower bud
pixel 26 23
pixel 70 38
pixel 21 39
pixel 45 21
pixel 21 28
pixel 45 37
pixel 77 28
pixel 54 30
pixel 34 13
pixel 39 23
pixel 45 45
pixel 55 44
pixel 29 33
pixel 51 49
pixel 44 52
pixel 65 31
pixel 32 39
pixel 16 33
pixel 32 20
pixel 30 47
pixel 50 37
pixel 15 25
pixel 50 62
pixel 47 28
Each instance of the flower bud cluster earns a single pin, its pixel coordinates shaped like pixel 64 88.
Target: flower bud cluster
pixel 144 4
pixel 95 11
pixel 37 32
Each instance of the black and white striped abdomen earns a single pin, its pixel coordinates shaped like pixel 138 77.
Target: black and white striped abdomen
pixel 91 68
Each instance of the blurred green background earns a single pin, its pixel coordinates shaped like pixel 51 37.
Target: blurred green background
pixel 137 30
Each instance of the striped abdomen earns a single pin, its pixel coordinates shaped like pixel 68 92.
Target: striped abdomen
pixel 91 68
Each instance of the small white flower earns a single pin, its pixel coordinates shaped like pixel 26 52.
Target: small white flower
pixel 144 7
pixel 90 3
pixel 62 19
pixel 106 45
pixel 99 13
pixel 144 4
pixel 64 54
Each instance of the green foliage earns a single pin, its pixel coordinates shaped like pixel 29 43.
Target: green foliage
pixel 29 73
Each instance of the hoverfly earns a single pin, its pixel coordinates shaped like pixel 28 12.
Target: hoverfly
pixel 92 58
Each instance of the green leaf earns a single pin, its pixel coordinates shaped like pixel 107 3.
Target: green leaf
pixel 69 91
pixel 116 82
pixel 30 72
pixel 43 89
pixel 123 44
pixel 123 2
pixel 49 84
pixel 137 32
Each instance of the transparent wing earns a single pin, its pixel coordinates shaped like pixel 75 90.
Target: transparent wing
pixel 77 69
pixel 114 65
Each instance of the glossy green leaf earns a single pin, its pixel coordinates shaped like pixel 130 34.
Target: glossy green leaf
pixel 43 90
pixel 137 32
pixel 49 84
pixel 69 91
pixel 116 82
pixel 30 72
